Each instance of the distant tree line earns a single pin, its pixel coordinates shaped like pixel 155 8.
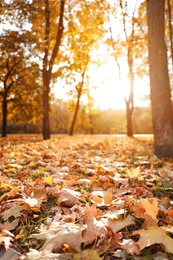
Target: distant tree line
pixel 108 121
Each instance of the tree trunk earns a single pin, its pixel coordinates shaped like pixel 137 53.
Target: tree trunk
pixel 162 115
pixel 4 115
pixel 129 101
pixel 46 117
pixel 48 64
pixel 75 115
pixel 170 30
pixel 129 112
pixel 79 90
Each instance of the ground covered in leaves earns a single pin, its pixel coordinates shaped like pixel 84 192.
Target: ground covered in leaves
pixel 85 197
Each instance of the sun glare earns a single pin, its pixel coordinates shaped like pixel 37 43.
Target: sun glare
pixel 107 89
pixel 110 91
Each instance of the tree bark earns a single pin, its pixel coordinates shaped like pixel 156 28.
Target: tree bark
pixel 162 115
pixel 4 115
pixel 170 29
pixel 46 105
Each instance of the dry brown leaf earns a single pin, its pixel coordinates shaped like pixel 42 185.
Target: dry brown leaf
pixel 92 210
pixel 57 235
pixel 68 198
pixel 10 225
pixel 130 246
pixel 117 225
pixel 13 211
pixel 94 230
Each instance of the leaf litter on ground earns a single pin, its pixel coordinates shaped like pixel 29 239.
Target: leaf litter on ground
pixel 85 197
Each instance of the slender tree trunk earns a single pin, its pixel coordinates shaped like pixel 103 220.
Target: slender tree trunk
pixel 79 91
pixel 48 64
pixel 75 114
pixel 129 113
pixel 46 108
pixel 129 101
pixel 4 115
pixel 162 115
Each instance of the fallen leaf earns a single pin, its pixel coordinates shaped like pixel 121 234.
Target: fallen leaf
pixel 151 208
pixel 57 235
pixel 133 172
pixel 68 198
pixel 150 215
pixel 10 225
pixel 48 180
pixel 95 229
pixel 154 235
pixel 117 225
pixel 130 246
pixel 14 210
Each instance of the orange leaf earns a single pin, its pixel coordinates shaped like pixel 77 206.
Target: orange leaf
pixel 151 208
pixel 170 213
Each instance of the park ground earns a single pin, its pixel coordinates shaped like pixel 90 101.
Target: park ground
pixel 85 197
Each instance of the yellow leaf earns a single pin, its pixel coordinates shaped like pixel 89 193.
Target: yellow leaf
pixel 48 180
pixel 154 235
pixel 133 172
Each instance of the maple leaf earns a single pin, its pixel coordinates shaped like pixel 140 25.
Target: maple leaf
pixel 133 172
pixel 151 211
pixel 151 208
pixel 57 235
pixel 154 235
